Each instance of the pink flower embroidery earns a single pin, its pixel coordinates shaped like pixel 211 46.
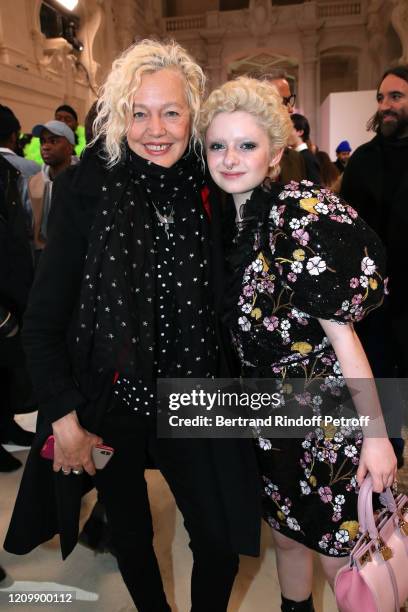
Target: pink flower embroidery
pixel 271 323
pixel 325 494
pixel 302 236
pixel 337 218
pixel 248 290
pixel 357 299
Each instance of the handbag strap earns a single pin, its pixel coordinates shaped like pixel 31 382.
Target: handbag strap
pixel 367 523
pixel 394 585
pixel 365 507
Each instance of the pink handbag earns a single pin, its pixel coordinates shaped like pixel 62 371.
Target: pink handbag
pixel 376 578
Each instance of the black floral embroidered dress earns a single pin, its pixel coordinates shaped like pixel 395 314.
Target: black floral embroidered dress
pixel 300 254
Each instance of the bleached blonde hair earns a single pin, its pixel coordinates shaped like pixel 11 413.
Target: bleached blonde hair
pixel 114 107
pixel 258 98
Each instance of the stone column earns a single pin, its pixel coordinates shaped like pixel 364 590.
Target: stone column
pixel 377 23
pixel 399 20
pixel 126 23
pixel 308 81
pixel 213 37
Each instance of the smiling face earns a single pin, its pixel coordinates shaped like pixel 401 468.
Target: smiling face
pixel 238 153
pixel 392 98
pixel 160 128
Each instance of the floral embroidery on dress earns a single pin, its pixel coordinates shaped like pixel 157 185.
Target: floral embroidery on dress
pixel 301 254
pixel 283 510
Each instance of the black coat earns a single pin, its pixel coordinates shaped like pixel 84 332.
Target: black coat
pixel 363 182
pixel 52 499
pixel 16 276
pixel 366 188
pixel 16 262
pixel 312 166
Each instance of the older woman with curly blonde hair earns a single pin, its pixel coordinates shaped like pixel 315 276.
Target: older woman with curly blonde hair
pixel 126 294
pixel 302 266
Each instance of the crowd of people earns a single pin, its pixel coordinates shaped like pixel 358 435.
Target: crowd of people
pixel 199 239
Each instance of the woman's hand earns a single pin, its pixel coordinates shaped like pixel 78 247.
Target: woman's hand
pixel 378 458
pixel 73 445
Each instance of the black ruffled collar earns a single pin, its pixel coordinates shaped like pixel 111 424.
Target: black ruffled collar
pixel 258 204
pixel 254 213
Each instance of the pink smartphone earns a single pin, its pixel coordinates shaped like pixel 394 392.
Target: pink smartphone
pixel 100 453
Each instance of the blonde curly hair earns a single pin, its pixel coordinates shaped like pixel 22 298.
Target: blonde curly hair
pixel 114 106
pixel 258 98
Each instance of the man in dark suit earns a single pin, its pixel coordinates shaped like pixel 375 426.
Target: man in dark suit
pixel 375 182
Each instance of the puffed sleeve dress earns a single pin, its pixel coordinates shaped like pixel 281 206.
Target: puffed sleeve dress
pixel 301 254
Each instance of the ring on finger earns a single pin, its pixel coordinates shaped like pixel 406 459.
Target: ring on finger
pixel 78 471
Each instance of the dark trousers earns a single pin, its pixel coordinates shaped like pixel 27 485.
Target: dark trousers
pixel 122 489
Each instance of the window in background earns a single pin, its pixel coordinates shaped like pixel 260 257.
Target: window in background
pixel 58 23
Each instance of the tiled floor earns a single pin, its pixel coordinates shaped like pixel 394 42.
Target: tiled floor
pixel 97 584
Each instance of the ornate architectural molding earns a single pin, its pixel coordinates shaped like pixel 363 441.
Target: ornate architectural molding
pixel 56 56
pixel 223 42
pixel 399 20
pixel 93 20
pixel 261 19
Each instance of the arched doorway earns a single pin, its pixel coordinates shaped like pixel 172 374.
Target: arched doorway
pixel 338 70
pixel 263 61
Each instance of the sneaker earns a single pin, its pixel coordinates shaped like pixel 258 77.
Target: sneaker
pixel 8 463
pixel 14 434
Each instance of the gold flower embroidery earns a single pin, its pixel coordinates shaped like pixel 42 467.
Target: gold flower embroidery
pixel 352 528
pixel 256 313
pixel 308 204
pixel 301 347
pixel 329 431
pixel 265 266
pixel 299 255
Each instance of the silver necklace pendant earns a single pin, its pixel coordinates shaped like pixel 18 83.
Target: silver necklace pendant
pixel 165 220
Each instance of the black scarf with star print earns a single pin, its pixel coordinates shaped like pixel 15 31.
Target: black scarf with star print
pixel 117 328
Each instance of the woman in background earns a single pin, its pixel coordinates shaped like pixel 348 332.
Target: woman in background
pixel 328 172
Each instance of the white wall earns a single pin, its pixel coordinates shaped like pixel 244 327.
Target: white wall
pixel 343 116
